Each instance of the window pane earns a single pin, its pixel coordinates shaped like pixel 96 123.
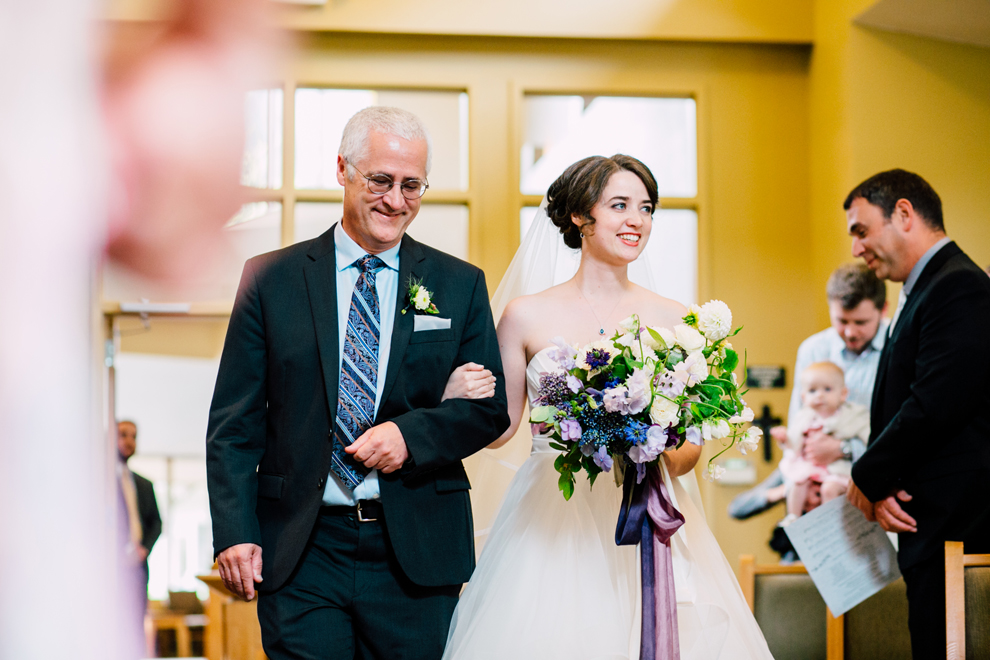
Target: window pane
pixel 262 164
pixel 560 130
pixel 672 250
pixel 256 229
pixel 322 113
pixel 442 226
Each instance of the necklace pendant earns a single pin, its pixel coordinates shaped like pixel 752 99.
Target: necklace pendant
pixel 601 331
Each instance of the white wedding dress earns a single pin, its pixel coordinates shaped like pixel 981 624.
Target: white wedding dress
pixel 551 582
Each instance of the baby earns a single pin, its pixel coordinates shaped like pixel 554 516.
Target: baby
pixel 824 408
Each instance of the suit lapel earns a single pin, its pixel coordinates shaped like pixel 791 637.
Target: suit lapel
pixel 412 266
pixel 906 318
pixel 321 285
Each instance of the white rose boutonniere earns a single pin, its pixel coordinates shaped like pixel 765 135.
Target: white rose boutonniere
pixel 420 298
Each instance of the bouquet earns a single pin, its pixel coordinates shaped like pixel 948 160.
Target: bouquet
pixel 619 403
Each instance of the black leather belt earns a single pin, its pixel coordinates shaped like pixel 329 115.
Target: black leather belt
pixel 365 511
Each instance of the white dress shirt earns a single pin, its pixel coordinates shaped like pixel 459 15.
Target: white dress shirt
pixel 346 252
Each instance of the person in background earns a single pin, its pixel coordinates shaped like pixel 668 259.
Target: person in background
pixel 144 523
pixel 857 300
pixel 924 473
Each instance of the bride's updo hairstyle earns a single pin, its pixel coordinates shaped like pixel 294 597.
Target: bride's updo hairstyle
pixel 578 189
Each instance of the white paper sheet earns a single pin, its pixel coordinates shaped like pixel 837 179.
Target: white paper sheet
pixel 848 558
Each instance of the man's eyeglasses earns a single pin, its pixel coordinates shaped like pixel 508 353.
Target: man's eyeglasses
pixel 380 184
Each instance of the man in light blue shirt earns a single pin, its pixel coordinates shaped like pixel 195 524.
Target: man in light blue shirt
pixel 347 252
pixel 857 300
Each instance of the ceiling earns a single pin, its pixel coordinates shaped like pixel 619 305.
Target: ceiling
pixel 962 21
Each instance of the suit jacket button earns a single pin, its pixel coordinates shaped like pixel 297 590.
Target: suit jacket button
pixel 322 481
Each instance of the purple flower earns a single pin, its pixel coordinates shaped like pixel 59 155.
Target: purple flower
pixel 631 398
pixel 573 383
pixel 570 430
pixel 669 386
pixel 602 458
pixel 694 436
pixel 564 355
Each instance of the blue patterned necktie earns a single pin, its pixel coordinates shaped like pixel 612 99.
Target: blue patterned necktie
pixel 358 372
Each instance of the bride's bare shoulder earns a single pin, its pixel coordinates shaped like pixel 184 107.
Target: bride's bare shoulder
pixel 658 310
pixel 529 307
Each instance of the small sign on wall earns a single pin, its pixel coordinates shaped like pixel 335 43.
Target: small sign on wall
pixel 765 377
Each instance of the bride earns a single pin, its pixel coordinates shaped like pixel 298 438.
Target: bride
pixel 551 582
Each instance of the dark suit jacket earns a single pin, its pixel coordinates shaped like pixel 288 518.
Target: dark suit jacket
pixel 270 430
pixel 151 521
pixel 930 418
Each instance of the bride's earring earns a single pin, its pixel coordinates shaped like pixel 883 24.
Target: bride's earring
pixel 581 233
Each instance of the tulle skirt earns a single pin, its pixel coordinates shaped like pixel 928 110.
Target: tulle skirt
pixel 551 583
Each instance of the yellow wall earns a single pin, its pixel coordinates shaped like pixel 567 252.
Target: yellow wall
pixel 881 100
pixel 775 21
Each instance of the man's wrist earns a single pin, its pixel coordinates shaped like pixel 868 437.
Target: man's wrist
pixel 845 446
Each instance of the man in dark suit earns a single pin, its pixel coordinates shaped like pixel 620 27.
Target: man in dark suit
pixel 144 523
pixel 329 451
pixel 926 471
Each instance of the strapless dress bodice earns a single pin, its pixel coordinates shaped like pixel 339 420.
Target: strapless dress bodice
pixel 539 365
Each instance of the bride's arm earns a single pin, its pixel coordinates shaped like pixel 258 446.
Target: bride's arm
pixel 512 345
pixel 682 460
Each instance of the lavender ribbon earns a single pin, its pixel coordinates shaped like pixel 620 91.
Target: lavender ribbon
pixel 648 517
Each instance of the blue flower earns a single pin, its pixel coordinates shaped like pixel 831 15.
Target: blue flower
pixel 636 432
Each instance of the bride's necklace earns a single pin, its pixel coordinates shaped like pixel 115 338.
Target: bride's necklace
pixel 601 326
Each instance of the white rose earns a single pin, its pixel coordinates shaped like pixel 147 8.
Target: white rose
pixel 715 320
pixel 422 299
pixel 688 338
pixel 663 411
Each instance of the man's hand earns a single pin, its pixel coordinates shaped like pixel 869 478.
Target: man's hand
pixel 240 568
pixel 858 500
pixel 779 434
pixel 892 517
pixel 381 447
pixel 820 448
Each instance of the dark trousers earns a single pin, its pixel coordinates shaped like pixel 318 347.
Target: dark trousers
pixel 349 600
pixel 926 607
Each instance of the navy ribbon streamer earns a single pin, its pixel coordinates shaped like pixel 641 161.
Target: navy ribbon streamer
pixel 649 518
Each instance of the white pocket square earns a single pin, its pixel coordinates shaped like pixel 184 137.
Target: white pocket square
pixel 429 323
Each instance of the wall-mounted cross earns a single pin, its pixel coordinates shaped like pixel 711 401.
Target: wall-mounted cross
pixel 767 421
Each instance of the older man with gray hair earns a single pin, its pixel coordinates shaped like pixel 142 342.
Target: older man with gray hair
pixel 331 452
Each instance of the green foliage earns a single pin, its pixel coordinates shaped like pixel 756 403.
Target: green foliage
pixel 731 360
pixel 542 414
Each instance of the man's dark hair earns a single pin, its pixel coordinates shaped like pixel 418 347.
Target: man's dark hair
pixel 851 284
pixel 884 189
